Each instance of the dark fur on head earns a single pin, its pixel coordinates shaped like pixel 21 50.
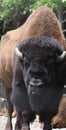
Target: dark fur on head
pixel 41 42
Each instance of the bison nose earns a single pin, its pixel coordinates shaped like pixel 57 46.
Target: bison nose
pixel 35 82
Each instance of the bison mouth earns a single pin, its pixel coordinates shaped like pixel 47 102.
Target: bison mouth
pixel 35 86
pixel 34 91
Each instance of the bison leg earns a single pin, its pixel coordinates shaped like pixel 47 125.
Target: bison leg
pixel 9 108
pixel 47 126
pixel 23 119
pixel 18 121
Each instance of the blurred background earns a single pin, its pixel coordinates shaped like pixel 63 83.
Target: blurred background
pixel 13 13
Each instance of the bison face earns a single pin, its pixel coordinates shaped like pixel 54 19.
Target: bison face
pixel 38 63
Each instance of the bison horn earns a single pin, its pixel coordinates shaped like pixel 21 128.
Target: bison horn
pixel 62 56
pixel 19 54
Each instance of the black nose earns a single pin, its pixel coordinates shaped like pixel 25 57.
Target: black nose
pixel 35 82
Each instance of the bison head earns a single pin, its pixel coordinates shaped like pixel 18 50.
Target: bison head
pixel 38 58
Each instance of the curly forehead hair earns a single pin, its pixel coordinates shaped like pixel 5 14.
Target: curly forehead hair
pixel 40 43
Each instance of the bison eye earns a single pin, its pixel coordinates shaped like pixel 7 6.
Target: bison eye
pixel 26 64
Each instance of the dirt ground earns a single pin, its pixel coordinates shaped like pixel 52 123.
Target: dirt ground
pixel 3 120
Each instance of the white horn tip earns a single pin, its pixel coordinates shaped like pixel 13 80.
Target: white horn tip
pixel 61 57
pixel 19 54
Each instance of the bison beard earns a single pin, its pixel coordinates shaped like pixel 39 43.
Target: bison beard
pixel 37 81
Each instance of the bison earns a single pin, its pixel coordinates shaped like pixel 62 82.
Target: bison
pixel 33 72
pixel 38 80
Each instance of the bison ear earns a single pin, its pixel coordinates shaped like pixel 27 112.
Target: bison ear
pixel 62 56
pixel 18 53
